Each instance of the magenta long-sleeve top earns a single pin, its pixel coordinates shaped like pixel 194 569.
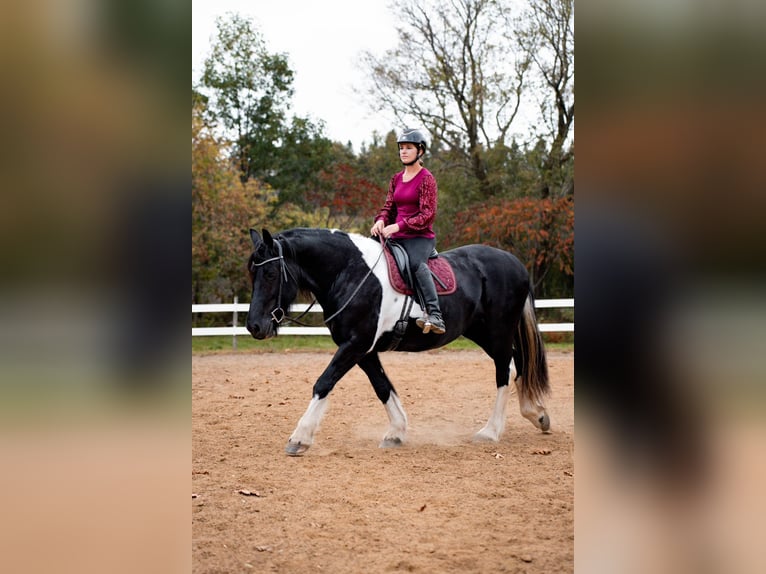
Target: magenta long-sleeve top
pixel 411 204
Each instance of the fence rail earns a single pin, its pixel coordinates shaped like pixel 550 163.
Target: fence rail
pixel 234 308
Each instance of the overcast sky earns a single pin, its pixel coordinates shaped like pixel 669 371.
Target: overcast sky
pixel 323 41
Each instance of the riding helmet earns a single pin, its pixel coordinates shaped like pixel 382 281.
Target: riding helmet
pixel 413 136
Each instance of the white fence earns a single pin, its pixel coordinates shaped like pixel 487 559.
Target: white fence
pixel 235 329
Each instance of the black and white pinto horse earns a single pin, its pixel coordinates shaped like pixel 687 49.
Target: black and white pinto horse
pixel 492 306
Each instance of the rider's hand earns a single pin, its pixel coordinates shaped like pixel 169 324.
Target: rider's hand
pixel 389 230
pixel 377 227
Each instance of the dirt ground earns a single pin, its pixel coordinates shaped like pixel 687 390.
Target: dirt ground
pixel 440 503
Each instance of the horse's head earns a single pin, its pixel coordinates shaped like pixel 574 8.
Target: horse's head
pixel 274 286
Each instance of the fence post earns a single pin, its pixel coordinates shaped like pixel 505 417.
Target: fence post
pixel 234 324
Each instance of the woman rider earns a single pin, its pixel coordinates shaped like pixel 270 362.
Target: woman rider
pixel 407 216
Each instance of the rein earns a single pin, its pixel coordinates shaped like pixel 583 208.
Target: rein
pixel 278 313
pixel 338 312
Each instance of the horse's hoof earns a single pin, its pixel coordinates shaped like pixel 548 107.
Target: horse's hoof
pixel 296 448
pixel 545 423
pixel 481 437
pixel 391 442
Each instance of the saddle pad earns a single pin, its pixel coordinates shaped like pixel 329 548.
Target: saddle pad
pixel 439 266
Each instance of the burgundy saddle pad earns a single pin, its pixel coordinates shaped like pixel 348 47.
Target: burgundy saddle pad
pixel 438 266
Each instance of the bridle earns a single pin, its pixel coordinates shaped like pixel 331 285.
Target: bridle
pixel 278 313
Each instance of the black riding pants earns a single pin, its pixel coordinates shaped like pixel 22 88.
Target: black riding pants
pixel 418 249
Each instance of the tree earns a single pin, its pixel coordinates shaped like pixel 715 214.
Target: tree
pixel 453 74
pixel 380 160
pixel 223 209
pixel 350 199
pixel 250 90
pixel 547 34
pixel 466 70
pixel 303 154
pixel 540 232
pixel 250 96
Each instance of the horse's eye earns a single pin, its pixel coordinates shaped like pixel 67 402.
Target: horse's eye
pixel 270 272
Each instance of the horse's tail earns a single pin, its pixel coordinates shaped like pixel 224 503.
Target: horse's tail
pixel 529 355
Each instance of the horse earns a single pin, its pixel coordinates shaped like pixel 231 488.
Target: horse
pixel 493 306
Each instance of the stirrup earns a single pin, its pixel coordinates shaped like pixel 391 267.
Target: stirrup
pixel 428 326
pixel 436 326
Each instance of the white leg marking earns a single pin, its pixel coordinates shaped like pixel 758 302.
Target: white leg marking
pixel 397 428
pixel 309 423
pixel 496 423
pixel 391 302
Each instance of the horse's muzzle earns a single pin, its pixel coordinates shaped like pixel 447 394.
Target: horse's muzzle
pixel 261 331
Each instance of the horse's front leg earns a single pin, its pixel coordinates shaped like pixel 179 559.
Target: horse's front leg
pixel 496 423
pixel 397 418
pixel 303 436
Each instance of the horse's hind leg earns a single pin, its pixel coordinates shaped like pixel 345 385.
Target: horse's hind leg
pixel 532 383
pixel 397 418
pixel 496 423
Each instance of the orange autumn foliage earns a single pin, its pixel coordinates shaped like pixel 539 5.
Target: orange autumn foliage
pixel 540 232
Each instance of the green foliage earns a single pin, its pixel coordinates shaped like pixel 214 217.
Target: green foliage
pixel 303 156
pixel 380 160
pixel 250 90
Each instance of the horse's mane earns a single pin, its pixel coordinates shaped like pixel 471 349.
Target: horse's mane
pixel 319 233
pixel 312 232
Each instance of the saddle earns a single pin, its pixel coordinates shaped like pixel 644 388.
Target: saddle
pixel 401 277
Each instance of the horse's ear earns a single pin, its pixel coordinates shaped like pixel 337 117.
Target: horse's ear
pixel 267 239
pixel 255 237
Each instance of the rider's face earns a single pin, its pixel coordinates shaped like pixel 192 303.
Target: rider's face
pixel 407 152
